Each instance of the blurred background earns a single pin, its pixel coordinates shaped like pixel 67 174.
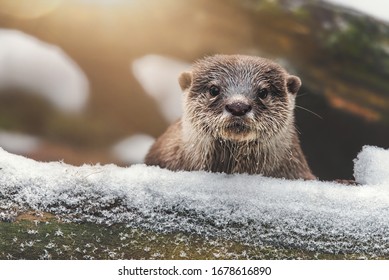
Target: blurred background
pixel 95 81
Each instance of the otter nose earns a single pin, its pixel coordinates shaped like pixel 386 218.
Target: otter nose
pixel 238 108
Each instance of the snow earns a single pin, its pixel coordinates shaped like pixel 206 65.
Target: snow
pixel 158 75
pixel 39 68
pixel 372 166
pixel 18 143
pixel 376 8
pixel 133 149
pixel 310 215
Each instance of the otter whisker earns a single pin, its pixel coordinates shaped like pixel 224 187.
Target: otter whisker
pixel 313 113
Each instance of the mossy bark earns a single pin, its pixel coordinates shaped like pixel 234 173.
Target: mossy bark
pixel 44 236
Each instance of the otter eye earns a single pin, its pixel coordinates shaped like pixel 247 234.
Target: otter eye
pixel 214 90
pixel 263 93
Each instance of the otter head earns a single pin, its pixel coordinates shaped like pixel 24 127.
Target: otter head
pixel 239 98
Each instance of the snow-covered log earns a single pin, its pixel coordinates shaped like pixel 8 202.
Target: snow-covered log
pixel 256 212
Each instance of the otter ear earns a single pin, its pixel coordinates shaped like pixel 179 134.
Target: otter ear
pixel 293 83
pixel 185 80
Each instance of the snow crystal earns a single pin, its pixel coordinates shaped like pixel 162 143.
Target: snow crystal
pixel 158 76
pixel 309 215
pixel 40 68
pixel 133 149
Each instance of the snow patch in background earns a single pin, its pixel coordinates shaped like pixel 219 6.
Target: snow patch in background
pixel 18 143
pixel 309 215
pixel 133 149
pixel 158 75
pixel 29 64
pixel 376 8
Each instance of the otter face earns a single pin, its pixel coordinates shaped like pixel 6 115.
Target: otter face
pixel 239 98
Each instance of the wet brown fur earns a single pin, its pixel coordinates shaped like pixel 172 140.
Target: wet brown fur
pixel 207 137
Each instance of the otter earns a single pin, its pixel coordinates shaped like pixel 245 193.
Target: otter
pixel 238 118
